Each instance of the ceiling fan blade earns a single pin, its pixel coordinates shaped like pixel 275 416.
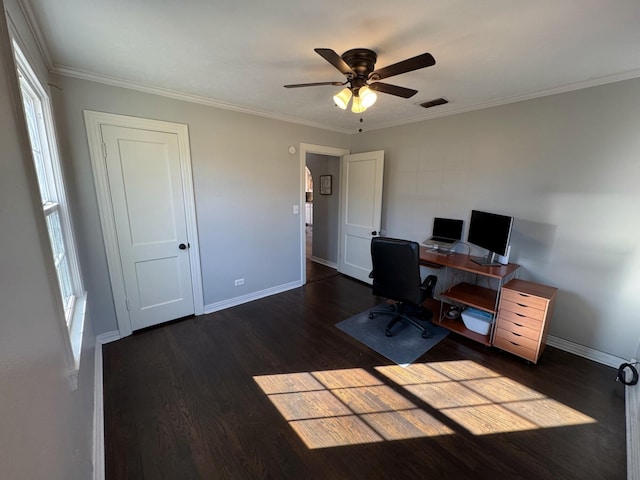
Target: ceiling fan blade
pixel 336 60
pixel 393 89
pixel 408 65
pixel 317 84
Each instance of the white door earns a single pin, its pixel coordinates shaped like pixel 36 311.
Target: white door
pixel 144 177
pixel 360 211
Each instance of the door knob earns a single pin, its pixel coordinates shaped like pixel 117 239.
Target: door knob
pixel 182 246
pixel 374 233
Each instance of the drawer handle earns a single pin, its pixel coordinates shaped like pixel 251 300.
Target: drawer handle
pixel 516 334
pixel 517 324
pixel 520 315
pixel 514 343
pixel 521 305
pixel 523 295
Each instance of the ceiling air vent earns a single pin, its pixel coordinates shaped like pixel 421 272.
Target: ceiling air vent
pixel 434 103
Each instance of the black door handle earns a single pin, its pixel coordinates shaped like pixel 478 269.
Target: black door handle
pixel 182 246
pixel 374 233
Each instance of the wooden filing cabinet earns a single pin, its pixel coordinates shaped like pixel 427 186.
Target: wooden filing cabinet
pixel 523 320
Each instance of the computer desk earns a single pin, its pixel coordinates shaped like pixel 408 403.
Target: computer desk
pixel 464 292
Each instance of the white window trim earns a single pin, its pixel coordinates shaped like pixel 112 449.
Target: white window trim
pixel 72 332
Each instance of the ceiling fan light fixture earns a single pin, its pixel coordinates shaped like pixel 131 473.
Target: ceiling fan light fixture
pixel 341 99
pixel 358 65
pixel 367 96
pixel 357 106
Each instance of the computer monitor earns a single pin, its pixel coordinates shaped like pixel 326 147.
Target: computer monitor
pixel 446 233
pixel 447 228
pixel 491 232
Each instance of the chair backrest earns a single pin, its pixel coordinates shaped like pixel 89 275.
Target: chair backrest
pixel 396 269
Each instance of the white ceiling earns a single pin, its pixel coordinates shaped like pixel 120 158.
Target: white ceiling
pixel 238 54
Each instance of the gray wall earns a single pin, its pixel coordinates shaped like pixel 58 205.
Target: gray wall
pixel 46 427
pixel 567 167
pixel 326 208
pixel 564 166
pixel 245 184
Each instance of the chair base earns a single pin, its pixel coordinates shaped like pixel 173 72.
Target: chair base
pixel 397 310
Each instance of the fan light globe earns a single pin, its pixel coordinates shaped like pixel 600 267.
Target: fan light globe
pixel 367 96
pixel 357 106
pixel 342 98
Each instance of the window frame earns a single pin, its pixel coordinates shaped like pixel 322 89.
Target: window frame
pixel 54 201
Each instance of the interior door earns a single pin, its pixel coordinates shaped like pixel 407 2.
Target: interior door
pixel 360 211
pixel 144 176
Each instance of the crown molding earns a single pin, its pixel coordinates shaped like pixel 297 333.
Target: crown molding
pixel 186 97
pixel 155 90
pixel 32 21
pixel 619 77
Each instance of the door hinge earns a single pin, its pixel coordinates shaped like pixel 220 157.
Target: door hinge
pixel 104 150
pixel 126 302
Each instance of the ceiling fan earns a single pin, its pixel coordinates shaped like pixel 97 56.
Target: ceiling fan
pixel 358 65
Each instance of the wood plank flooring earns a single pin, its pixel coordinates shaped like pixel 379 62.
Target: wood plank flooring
pixel 273 390
pixel 317 272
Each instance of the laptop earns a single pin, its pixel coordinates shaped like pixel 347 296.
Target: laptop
pixel 447 232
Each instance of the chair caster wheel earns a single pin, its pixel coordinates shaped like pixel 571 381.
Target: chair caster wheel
pixel 370 315
pixel 426 335
pixel 387 333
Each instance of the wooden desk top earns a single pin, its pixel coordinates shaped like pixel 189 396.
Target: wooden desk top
pixel 462 261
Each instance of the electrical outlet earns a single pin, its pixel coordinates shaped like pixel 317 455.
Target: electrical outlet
pixel 239 282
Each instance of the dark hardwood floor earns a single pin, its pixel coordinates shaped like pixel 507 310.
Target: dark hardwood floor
pixel 317 272
pixel 193 400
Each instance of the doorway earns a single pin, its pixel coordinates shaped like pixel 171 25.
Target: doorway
pixel 320 221
pixel 321 216
pixel 308 212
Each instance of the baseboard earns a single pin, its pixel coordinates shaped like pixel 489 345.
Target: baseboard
pixel 324 262
pixel 586 352
pixel 98 406
pixel 632 411
pixel 232 302
pixel 632 399
pixel 108 337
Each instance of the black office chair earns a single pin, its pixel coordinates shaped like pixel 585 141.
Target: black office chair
pixel 396 276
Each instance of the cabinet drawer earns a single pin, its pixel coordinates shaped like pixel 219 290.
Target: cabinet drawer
pixel 520 319
pixel 519 329
pixel 517 339
pixel 524 299
pixel 522 309
pixel 507 346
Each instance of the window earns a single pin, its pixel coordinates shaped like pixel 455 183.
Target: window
pixel 52 193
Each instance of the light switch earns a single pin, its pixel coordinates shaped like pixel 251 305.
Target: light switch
pixel 296 209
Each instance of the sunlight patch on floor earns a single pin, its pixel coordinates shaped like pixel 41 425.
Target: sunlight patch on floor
pixel 345 407
pixel 333 408
pixel 481 400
